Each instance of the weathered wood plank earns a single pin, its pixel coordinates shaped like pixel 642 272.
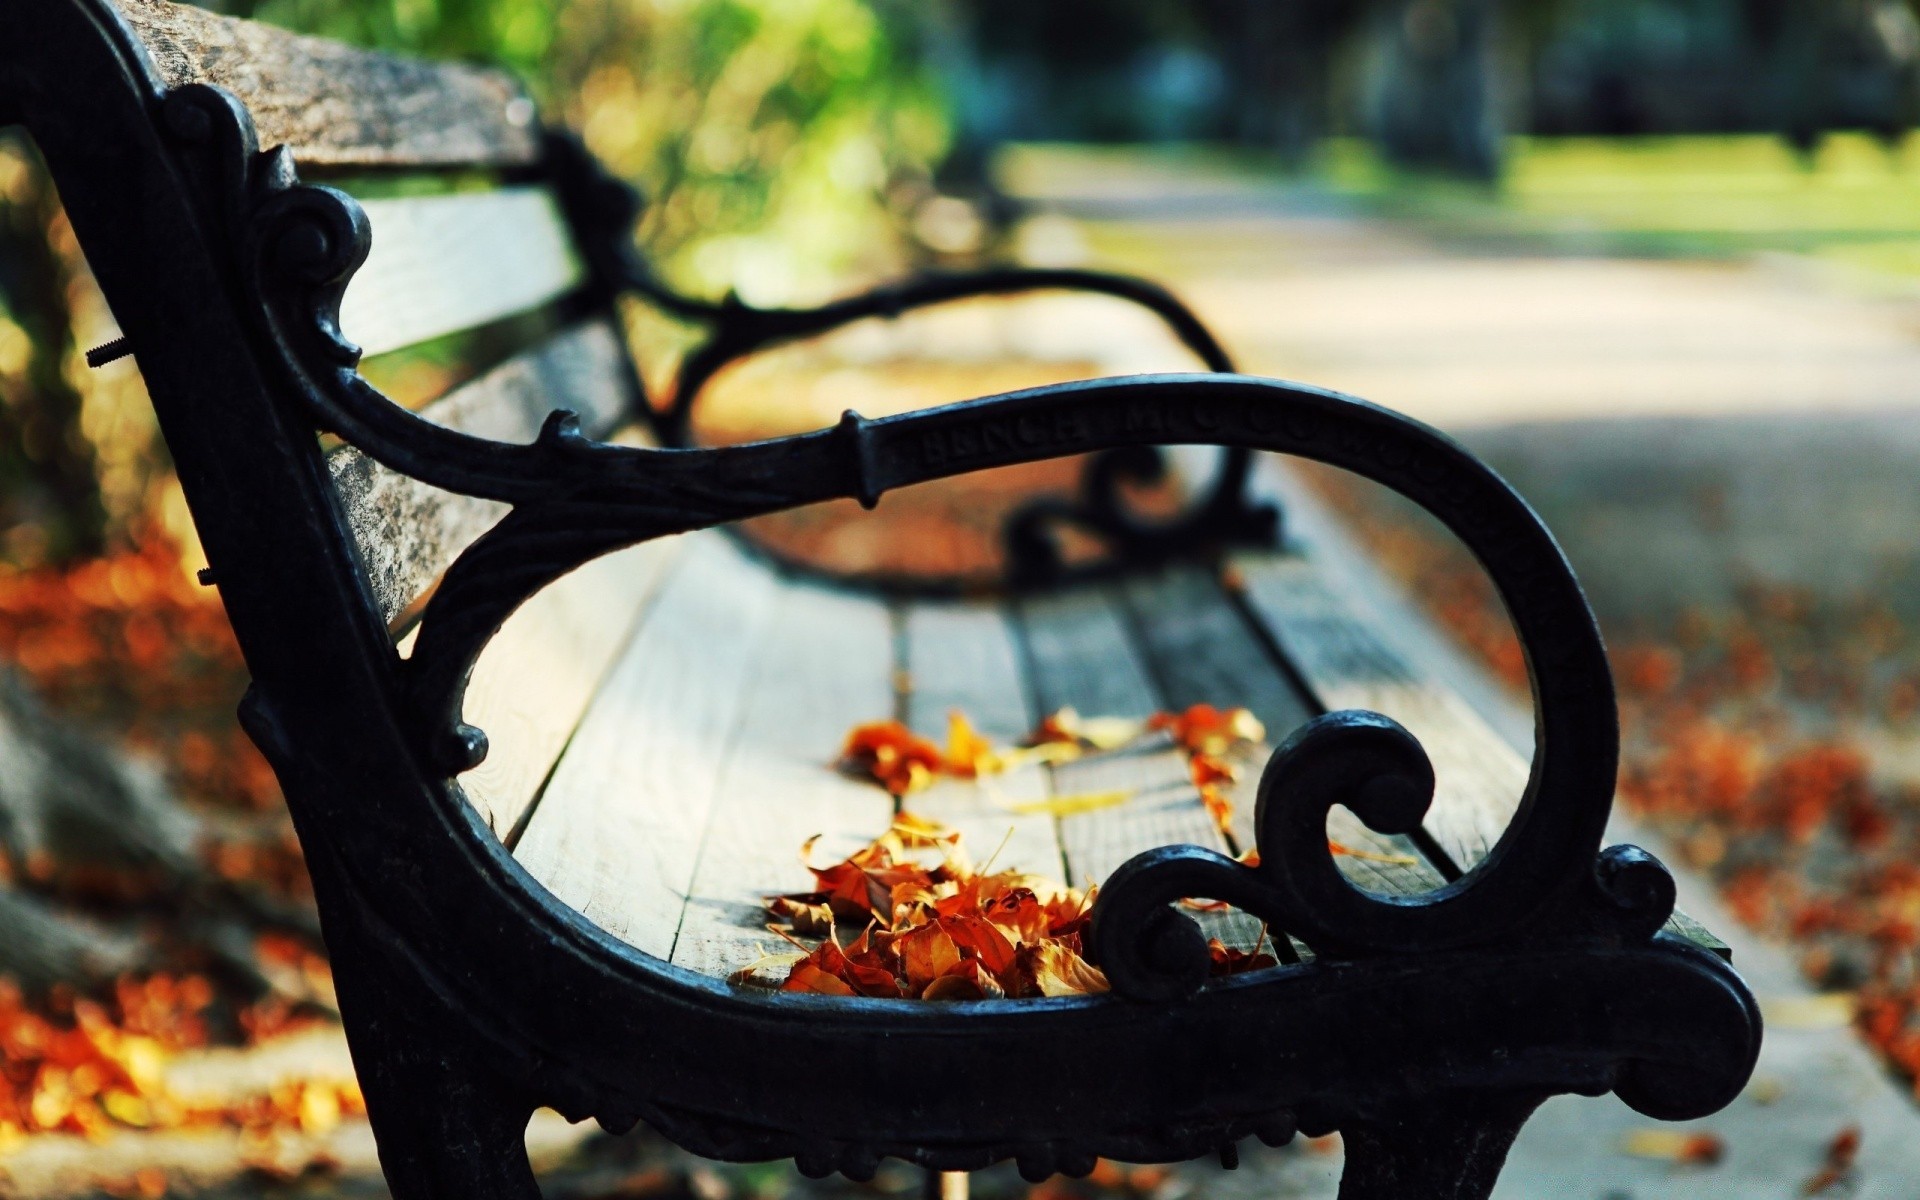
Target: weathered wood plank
pixel 440 264
pixel 1479 779
pixel 338 105
pixel 827 662
pixel 533 682
pixel 617 830
pixel 1083 658
pixel 963 657
pixel 407 532
pixel 1202 650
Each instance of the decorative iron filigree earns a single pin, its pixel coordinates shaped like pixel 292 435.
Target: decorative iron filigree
pixel 604 211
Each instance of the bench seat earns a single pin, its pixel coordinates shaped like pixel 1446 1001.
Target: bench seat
pixel 700 763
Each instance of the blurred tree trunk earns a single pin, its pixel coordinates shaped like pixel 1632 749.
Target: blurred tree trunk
pixel 47 469
pixel 1435 101
pixel 1278 58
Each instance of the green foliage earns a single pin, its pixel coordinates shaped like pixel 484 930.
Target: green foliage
pixel 766 131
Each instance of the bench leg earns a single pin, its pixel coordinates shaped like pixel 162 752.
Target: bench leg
pixel 1451 1149
pixel 447 1129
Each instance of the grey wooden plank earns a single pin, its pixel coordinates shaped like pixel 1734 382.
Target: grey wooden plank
pixel 1083 658
pixel 338 105
pixel 1200 647
pixel 963 656
pixel 534 680
pixel 1348 663
pixel 408 532
pixel 617 830
pixel 827 664
pixel 440 264
pixel 1200 650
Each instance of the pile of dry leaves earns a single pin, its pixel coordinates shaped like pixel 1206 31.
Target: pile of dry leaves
pixel 943 930
pixel 924 923
pixel 74 1064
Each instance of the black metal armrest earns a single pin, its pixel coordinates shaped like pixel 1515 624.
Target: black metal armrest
pixel 603 211
pixel 740 329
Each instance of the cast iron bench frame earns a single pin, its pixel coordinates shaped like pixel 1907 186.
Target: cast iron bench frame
pixel 1434 1024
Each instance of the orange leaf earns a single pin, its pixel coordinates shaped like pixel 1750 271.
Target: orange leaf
pixel 1204 729
pixel 806 977
pixel 926 953
pixel 1057 970
pixel 967 981
pixel 891 755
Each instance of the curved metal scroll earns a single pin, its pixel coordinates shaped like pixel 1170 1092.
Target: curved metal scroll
pixel 574 500
pixel 604 211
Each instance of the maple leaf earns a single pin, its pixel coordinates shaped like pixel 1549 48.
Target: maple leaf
pixel 891 755
pixel 926 953
pixel 1204 729
pixel 1056 969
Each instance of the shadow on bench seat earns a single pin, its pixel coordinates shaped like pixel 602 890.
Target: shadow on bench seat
pixel 534 883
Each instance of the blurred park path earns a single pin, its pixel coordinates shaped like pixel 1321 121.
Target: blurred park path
pixel 1463 329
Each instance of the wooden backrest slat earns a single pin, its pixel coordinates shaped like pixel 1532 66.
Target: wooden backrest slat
pixel 441 264
pixel 409 532
pixel 339 106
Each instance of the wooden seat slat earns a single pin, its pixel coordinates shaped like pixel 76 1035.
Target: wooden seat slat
pixel 1203 651
pixel 1083 658
pixel 441 264
pixel 535 678
pixel 827 658
pixel 616 832
pixel 339 106
pixel 409 532
pixel 963 657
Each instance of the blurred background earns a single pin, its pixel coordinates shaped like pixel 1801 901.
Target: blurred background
pixel 1657 260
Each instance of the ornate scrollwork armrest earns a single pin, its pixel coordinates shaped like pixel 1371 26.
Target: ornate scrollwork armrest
pixel 1376 768
pixel 573 499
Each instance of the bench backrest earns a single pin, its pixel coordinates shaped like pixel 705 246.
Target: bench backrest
pixel 493 251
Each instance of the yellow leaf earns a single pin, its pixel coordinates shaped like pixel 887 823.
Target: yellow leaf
pixel 1071 804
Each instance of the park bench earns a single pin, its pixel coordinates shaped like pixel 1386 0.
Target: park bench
pixel 547 913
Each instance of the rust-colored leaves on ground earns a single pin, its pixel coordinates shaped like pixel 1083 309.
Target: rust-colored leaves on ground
pixel 893 756
pixel 940 930
pixel 83 1066
pixel 935 931
pixel 1837 1168
pixel 131 642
